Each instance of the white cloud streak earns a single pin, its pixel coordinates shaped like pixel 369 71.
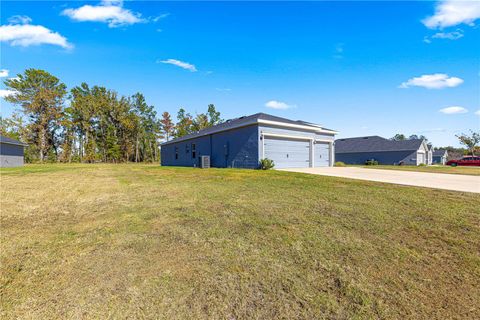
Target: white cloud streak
pixel 432 81
pixel 184 65
pixel 453 12
pixel 25 35
pixel 477 112
pixel 3 73
pixel 110 12
pixel 453 110
pixel 5 93
pixel 278 105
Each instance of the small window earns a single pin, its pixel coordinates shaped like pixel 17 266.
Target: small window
pixel 176 153
pixel 194 151
pixel 186 148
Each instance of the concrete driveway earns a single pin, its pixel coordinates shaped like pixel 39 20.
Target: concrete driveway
pixel 454 182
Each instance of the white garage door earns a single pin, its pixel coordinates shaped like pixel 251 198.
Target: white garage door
pixel 287 153
pixel 420 158
pixel 322 154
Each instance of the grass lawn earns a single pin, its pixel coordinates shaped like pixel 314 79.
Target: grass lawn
pixel 474 171
pixel 142 241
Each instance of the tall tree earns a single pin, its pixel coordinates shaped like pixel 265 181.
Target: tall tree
pixel 184 125
pixel 167 125
pixel 399 137
pixel 41 97
pixel 213 115
pixel 470 141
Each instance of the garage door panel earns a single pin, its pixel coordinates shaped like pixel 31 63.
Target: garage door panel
pixel 288 153
pixel 322 154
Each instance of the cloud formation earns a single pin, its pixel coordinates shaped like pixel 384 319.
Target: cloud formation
pixel 21 33
pixel 278 105
pixel 453 110
pixel 3 73
pixel 432 81
pixel 110 12
pixel 5 93
pixel 181 64
pixel 450 13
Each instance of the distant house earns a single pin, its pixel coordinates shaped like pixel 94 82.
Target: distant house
pixel 385 151
pixel 440 156
pixel 244 141
pixel 429 154
pixel 11 152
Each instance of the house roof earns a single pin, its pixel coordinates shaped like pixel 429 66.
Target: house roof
pixel 253 119
pixel 8 140
pixel 375 144
pixel 439 153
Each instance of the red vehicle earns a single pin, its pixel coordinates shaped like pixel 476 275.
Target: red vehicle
pixel 465 161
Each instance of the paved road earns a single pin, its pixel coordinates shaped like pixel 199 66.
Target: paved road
pixel 454 182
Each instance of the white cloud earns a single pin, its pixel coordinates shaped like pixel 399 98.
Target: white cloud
pixel 453 110
pixel 448 35
pixel 453 35
pixel 278 105
pixel 477 112
pixel 20 19
pixel 25 35
pixel 5 93
pixel 432 81
pixel 453 12
pixel 181 64
pixel 111 12
pixel 3 73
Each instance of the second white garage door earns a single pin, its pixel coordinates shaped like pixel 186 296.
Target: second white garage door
pixel 287 153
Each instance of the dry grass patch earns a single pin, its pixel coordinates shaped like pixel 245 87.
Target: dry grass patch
pixel 133 241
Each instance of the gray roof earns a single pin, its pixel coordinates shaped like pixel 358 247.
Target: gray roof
pixel 375 144
pixel 439 153
pixel 245 120
pixel 8 140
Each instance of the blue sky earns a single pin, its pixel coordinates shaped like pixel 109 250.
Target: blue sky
pixel 362 68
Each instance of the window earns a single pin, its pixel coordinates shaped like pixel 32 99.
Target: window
pixel 194 151
pixel 176 153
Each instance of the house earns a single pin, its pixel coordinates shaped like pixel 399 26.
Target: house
pixel 11 152
pixel 429 154
pixel 385 151
pixel 244 141
pixel 440 156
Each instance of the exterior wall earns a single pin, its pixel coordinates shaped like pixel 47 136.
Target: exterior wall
pixel 11 161
pixel 236 148
pixel 11 155
pixel 439 160
pixel 387 157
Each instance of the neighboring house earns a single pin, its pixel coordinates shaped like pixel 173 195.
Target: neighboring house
pixel 11 152
pixel 429 154
pixel 440 156
pixel 244 141
pixel 385 151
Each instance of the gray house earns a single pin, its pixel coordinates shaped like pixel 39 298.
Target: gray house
pixel 11 152
pixel 440 156
pixel 385 151
pixel 244 141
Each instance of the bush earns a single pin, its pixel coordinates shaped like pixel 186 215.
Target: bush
pixel 422 165
pixel 266 164
pixel 340 164
pixel 371 162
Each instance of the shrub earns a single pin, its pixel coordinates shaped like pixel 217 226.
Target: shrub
pixel 340 164
pixel 422 165
pixel 371 162
pixel 266 164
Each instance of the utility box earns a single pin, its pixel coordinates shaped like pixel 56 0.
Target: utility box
pixel 205 162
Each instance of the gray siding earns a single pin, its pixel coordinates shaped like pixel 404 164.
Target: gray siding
pixel 237 148
pixel 10 161
pixel 387 157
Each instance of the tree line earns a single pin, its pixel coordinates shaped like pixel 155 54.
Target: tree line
pixel 90 123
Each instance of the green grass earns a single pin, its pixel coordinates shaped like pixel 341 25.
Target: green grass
pixel 142 241
pixel 474 171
